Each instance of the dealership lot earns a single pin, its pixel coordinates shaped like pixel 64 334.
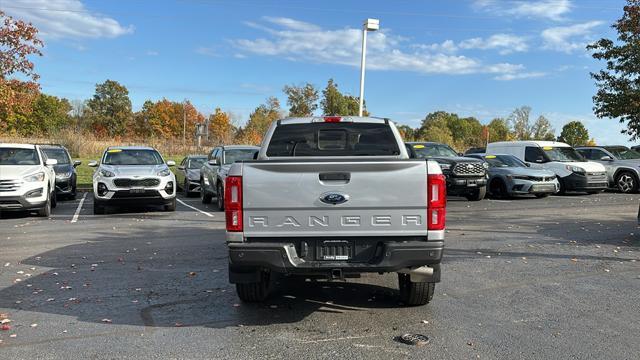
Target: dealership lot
pixel 547 278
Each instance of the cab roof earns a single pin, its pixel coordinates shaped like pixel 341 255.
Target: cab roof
pixel 130 148
pixel 351 119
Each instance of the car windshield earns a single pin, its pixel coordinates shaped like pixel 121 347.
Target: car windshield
pixel 231 156
pixel 132 157
pixel 196 163
pixel 562 154
pixel 501 161
pixel 623 153
pixel 433 150
pixel 17 156
pixel 58 154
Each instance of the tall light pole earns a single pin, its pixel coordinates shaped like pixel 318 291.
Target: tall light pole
pixel 369 25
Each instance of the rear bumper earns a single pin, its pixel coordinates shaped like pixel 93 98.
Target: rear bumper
pixel 283 258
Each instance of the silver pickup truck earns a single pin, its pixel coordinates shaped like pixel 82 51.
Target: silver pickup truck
pixel 334 197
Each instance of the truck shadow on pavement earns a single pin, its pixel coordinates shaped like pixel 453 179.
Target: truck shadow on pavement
pixel 155 276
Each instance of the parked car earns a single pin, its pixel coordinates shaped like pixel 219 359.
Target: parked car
pixel 475 150
pixel 214 172
pixel 465 176
pixel 508 176
pixel 335 197
pixel 132 175
pixel 188 173
pixel 636 148
pixel 622 164
pixel 66 176
pixel 27 179
pixel 574 172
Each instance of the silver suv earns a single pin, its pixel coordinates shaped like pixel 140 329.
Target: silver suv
pixel 132 175
pixel 622 164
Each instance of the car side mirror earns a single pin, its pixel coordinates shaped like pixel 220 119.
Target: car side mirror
pixel 51 162
pixel 606 158
pixel 214 162
pixel 460 154
pixel 77 163
pixel 527 164
pixel 181 167
pixel 171 163
pixel 92 163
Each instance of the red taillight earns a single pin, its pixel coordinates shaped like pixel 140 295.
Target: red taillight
pixel 436 201
pixel 332 119
pixel 233 203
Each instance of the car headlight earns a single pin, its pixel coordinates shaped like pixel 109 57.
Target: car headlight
pixel 106 173
pixel 165 172
pixel 63 175
pixel 34 177
pixel 486 165
pixel 576 169
pixel 444 166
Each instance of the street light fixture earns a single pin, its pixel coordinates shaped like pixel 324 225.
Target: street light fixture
pixel 369 25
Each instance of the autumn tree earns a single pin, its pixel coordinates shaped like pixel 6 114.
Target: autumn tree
pixel 335 103
pixel 407 132
pixel 18 41
pixel 519 122
pixel 574 133
pixel 110 109
pixel 618 94
pixel 302 100
pixel 165 119
pixel 260 120
pixel 498 130
pixel 221 129
pixel 542 129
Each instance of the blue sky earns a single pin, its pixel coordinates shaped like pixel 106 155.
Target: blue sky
pixel 479 58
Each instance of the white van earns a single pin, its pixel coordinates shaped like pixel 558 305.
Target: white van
pixel 574 172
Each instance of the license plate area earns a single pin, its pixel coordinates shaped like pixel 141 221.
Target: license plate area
pixel 472 183
pixel 334 250
pixel 137 190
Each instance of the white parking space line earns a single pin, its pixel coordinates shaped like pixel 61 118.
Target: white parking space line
pixel 195 208
pixel 77 213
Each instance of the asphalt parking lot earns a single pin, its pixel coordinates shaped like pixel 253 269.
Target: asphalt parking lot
pixel 552 278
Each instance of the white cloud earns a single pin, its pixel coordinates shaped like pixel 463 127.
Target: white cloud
pixel 66 19
pixel 504 43
pixel 519 76
pixel 152 53
pixel 569 38
pixel 206 51
pixel 546 9
pixel 297 41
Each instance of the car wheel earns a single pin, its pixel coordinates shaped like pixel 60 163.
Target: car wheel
pixel 45 211
pixel 204 194
pixel 98 209
pixel 171 206
pixel 498 189
pixel 477 194
pixel 73 194
pixel 185 188
pixel 220 197
pixel 54 199
pixel 626 182
pixel 415 293
pixel 255 291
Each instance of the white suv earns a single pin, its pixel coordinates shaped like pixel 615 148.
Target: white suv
pixel 133 175
pixel 27 179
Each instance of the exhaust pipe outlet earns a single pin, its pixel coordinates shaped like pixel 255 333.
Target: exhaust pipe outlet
pixel 420 274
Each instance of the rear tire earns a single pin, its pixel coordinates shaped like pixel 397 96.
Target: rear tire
pixel 46 210
pixel 220 197
pixel 204 194
pixel 54 199
pixel 171 206
pixel 498 189
pixel 185 188
pixel 255 291
pixel 415 293
pixel 97 208
pixel 477 195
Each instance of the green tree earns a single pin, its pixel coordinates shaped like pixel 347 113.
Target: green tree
pixel 110 109
pixel 542 129
pixel 498 130
pixel 407 132
pixel 618 94
pixel 335 103
pixel 435 127
pixel 302 100
pixel 574 133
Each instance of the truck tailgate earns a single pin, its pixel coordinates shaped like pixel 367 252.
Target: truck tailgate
pixel 335 198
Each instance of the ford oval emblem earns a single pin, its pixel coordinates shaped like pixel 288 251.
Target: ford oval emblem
pixel 334 198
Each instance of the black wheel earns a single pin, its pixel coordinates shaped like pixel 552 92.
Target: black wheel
pixel 45 211
pixel 563 189
pixel 54 199
pixel 74 193
pixel 255 291
pixel 498 189
pixel 415 293
pixel 98 209
pixel 204 194
pixel 185 188
pixel 220 197
pixel 540 196
pixel 626 182
pixel 171 206
pixel 477 194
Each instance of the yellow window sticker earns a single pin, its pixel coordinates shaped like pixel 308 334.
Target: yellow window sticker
pixel 418 146
pixel 114 150
pixel 547 148
pixel 490 157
